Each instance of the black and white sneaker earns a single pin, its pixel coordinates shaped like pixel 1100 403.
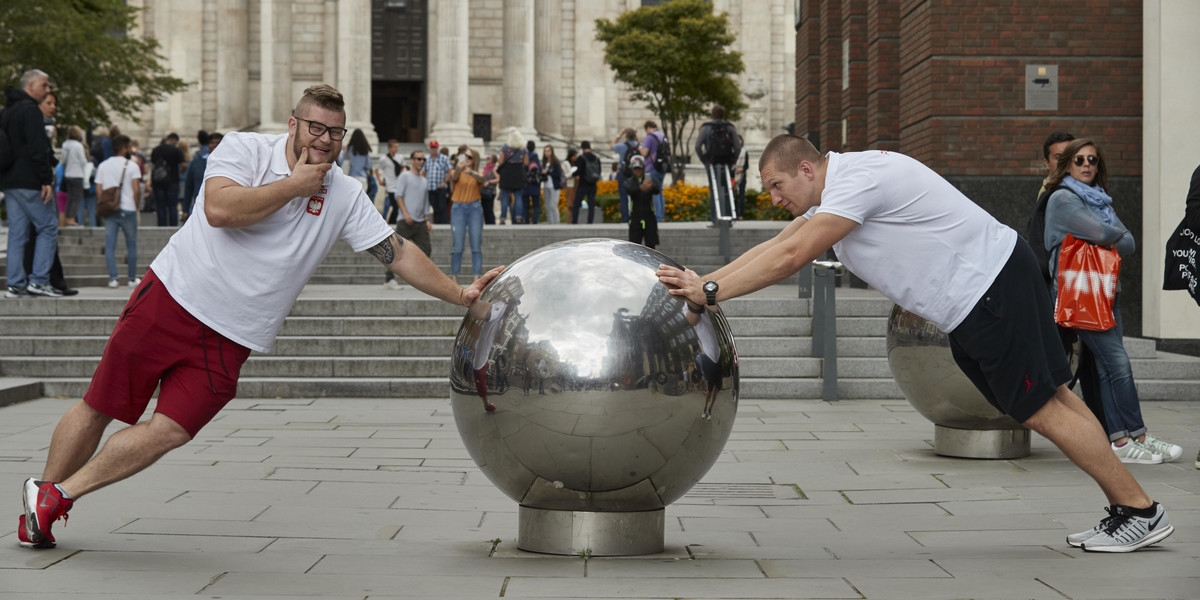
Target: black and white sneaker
pixel 1125 531
pixel 16 292
pixel 43 290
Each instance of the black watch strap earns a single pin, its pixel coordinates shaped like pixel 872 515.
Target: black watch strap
pixel 697 310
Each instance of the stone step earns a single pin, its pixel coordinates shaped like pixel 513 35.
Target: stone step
pixel 439 387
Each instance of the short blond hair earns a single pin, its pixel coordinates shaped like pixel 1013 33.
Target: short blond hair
pixel 324 96
pixel 786 152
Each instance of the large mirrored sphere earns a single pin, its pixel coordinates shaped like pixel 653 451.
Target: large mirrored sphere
pixel 924 368
pixel 578 383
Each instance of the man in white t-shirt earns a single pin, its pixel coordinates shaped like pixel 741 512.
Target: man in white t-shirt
pixel 268 213
pixel 121 171
pixel 913 236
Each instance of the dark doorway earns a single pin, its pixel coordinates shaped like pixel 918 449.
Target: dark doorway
pixel 399 42
pixel 397 110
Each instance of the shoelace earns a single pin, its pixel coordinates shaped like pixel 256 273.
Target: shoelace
pixel 1117 518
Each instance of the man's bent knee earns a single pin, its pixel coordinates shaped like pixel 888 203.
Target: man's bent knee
pixel 171 434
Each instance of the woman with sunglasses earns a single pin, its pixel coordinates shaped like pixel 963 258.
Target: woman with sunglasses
pixel 1081 207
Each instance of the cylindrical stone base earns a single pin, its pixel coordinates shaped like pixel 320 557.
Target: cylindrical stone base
pixel 591 533
pixel 981 443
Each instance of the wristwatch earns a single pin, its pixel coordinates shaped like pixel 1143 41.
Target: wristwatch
pixel 710 292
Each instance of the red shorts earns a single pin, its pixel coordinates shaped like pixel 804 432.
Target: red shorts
pixel 155 341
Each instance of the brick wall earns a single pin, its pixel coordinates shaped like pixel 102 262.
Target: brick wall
pixel 943 80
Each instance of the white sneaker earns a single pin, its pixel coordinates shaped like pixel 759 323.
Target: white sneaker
pixel 112 283
pixel 135 281
pixel 392 284
pixel 42 290
pixel 1134 453
pixel 1168 450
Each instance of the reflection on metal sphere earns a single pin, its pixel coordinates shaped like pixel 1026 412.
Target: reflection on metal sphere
pixel 966 424
pixel 591 396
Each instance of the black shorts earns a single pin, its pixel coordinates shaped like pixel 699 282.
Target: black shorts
pixel 1008 345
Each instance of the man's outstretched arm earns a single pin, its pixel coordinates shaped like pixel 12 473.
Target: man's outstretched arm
pixel 407 261
pixel 772 263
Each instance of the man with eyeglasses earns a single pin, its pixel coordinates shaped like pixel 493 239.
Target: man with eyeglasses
pixel 913 236
pixel 269 211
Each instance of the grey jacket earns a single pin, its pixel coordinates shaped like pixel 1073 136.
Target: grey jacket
pixel 1067 213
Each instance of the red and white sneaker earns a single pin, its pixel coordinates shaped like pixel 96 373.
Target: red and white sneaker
pixel 44 505
pixel 23 537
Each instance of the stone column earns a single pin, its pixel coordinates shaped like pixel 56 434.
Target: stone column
pixel 233 70
pixel 275 101
pixel 354 64
pixel 518 68
pixel 548 48
pixel 1170 142
pixel 451 47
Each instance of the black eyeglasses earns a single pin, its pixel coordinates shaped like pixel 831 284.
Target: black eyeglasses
pixel 1092 160
pixel 418 158
pixel 318 129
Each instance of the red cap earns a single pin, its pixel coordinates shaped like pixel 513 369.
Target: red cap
pixel 433 144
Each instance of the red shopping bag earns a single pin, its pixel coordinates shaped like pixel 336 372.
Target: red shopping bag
pixel 1087 285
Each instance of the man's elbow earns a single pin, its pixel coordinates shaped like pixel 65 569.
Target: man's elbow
pixel 214 214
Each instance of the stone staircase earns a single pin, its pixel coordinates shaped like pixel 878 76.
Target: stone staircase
pixel 347 336
pixel 692 244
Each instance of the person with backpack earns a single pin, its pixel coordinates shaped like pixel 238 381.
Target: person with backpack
pixel 27 179
pixel 589 175
pixel 514 160
pixel 165 161
pixel 718 148
pixel 657 154
pixel 625 146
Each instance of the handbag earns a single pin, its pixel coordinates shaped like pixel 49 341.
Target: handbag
pixel 1182 249
pixel 1087 285
pixel 109 201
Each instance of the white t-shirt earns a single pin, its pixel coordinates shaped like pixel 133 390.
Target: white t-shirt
pixel 108 175
pixel 387 166
pixel 242 282
pixel 920 241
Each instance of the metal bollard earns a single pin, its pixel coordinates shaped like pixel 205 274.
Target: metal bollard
pixel 825 274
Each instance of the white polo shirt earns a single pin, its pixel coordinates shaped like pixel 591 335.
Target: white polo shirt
pixel 243 281
pixel 920 241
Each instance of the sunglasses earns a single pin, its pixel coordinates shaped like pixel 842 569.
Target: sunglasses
pixel 1091 160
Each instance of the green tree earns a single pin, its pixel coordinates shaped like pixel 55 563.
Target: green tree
pixel 675 57
pixel 95 68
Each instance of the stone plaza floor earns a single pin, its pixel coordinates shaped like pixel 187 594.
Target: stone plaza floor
pixel 353 498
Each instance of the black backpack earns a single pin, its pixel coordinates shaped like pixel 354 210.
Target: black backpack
pixel 591 168
pixel 533 175
pixel 1036 231
pixel 662 155
pixel 722 138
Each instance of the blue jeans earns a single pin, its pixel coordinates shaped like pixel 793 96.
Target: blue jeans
pixel 25 208
pixel 585 191
pixel 1118 396
pixel 464 217
pixel 88 207
pixel 391 211
pixel 517 198
pixel 533 205
pixel 166 204
pixel 127 222
pixel 660 203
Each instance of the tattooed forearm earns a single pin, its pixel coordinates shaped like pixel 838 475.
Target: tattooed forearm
pixel 385 251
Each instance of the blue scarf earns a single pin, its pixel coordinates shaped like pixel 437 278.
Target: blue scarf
pixel 1094 196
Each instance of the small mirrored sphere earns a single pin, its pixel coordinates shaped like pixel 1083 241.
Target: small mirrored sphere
pixel 578 383
pixel 922 364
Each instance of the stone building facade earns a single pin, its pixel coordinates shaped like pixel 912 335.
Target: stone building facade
pixel 452 70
